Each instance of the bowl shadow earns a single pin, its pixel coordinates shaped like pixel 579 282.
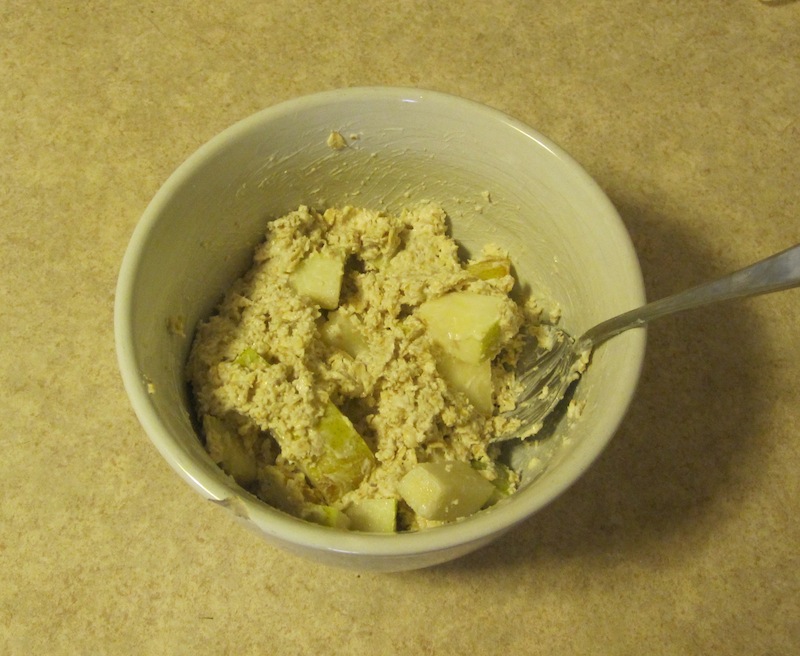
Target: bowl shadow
pixel 689 426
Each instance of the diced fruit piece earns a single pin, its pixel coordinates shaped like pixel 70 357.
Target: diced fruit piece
pixel 342 332
pixel 345 459
pixel 505 479
pixel 319 277
pixel 488 269
pixel 227 449
pixel 444 491
pixel 325 515
pixel 249 358
pixel 374 515
pixel 503 483
pixel 274 487
pixel 465 324
pixel 474 379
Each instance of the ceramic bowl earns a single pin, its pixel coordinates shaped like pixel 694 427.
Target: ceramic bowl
pixel 498 179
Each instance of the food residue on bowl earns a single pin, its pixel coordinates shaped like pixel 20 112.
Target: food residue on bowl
pixel 356 374
pixel 336 141
pixel 176 325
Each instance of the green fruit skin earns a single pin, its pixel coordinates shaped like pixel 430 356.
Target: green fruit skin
pixel 345 460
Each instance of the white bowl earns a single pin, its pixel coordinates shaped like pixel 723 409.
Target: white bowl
pixel 404 145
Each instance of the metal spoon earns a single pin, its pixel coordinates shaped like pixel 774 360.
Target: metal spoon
pixel 546 373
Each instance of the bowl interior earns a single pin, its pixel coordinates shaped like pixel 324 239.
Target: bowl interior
pixel 498 180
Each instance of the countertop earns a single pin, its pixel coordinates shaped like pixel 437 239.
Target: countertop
pixel 683 538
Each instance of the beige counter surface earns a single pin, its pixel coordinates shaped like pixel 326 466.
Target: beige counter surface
pixel 682 539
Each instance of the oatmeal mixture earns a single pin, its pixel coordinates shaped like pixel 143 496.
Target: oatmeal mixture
pixel 359 365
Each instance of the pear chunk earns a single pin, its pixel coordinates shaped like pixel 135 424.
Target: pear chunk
pixel 325 515
pixel 474 379
pixel 465 324
pixel 342 331
pixel 225 446
pixel 319 278
pixel 491 268
pixel 444 491
pixel 505 482
pixel 345 459
pixel 373 515
pixel 250 358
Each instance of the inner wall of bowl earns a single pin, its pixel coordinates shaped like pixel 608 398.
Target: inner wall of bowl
pixel 400 151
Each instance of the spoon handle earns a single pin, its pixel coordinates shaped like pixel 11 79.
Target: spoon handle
pixel 773 274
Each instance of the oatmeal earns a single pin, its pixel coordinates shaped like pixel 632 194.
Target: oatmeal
pixel 355 375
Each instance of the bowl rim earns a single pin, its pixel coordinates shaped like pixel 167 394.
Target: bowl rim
pixel 285 528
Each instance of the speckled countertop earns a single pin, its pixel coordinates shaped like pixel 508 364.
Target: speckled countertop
pixel 683 538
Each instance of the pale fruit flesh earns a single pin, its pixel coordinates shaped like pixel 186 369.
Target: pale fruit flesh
pixel 227 449
pixel 319 278
pixel 342 332
pixel 373 515
pixel 465 324
pixel 444 491
pixel 474 380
